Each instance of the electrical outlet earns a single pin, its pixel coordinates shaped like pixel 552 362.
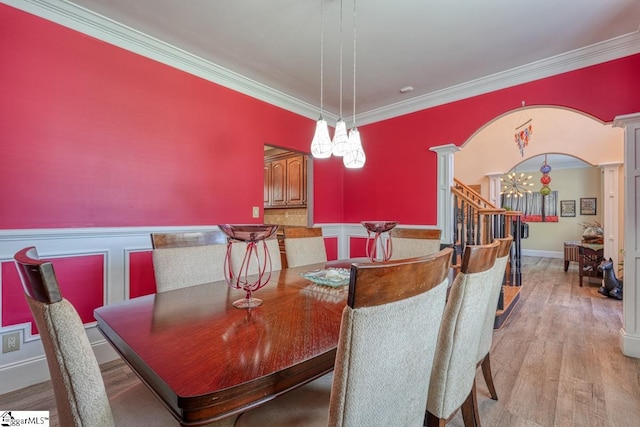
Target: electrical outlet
pixel 11 342
pixel 256 212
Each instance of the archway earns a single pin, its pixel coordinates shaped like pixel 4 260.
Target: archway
pixel 491 152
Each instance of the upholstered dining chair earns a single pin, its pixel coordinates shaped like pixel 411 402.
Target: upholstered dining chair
pixel 79 389
pixel 187 259
pixel 452 385
pixel 414 242
pixel 497 280
pixel 239 249
pixel 304 245
pixel 388 334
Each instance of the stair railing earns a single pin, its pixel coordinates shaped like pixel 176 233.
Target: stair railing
pixel 477 222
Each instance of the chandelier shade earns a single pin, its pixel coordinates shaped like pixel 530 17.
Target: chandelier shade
pixel 321 143
pixel 354 157
pixel 340 139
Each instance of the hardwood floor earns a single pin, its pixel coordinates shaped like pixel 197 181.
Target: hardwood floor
pixel 556 361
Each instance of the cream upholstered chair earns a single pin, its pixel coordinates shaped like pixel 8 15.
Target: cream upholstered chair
pixel 187 259
pixel 79 389
pixel 388 334
pixel 454 366
pixel 303 246
pixel 239 249
pixel 414 242
pixel 504 251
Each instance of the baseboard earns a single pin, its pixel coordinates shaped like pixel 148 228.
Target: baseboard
pixel 543 254
pixel 34 371
pixel 629 344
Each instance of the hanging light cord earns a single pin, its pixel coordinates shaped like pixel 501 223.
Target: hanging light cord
pixel 321 56
pixel 354 63
pixel 340 59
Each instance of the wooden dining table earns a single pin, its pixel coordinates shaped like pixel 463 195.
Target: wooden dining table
pixel 207 360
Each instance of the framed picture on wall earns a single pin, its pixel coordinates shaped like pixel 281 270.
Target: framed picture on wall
pixel 588 206
pixel 567 208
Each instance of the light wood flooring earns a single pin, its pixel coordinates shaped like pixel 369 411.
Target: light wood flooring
pixel 556 361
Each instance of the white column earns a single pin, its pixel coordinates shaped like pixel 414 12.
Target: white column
pixel 630 332
pixel 445 182
pixel 494 188
pixel 611 206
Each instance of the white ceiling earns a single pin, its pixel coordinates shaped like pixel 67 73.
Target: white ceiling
pixel 446 50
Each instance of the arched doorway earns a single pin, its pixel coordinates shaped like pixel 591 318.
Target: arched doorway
pixel 492 152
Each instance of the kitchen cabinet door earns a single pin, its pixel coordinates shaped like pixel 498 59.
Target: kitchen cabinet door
pixel 279 182
pixel 267 184
pixel 296 194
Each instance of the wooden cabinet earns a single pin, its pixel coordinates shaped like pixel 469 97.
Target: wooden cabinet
pixel 267 183
pixel 296 182
pixel 285 182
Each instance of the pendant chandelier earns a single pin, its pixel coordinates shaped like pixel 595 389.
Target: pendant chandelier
pixel 516 185
pixel 321 143
pixel 340 137
pixel 349 146
pixel 354 156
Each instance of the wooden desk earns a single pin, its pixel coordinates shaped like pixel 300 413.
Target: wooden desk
pixel 208 360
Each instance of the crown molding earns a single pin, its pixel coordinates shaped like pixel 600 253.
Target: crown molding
pixel 619 47
pixel 90 23
pixel 87 22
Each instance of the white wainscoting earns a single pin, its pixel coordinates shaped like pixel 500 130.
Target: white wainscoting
pixel 28 365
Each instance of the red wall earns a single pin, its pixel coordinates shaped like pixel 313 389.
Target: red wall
pixel 81 282
pixel 398 181
pixel 93 135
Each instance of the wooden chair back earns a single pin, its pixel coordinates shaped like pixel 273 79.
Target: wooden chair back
pixel 588 262
pixel 180 240
pixel 300 232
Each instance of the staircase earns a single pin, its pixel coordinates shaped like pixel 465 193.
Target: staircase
pixel 478 222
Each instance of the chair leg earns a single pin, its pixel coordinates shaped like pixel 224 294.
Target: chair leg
pixel 488 378
pixel 566 266
pixel 476 412
pixel 431 420
pixel 468 414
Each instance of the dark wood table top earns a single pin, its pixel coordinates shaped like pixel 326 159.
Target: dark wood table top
pixel 208 360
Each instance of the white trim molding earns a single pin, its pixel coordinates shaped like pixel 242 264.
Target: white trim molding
pixel 445 182
pixel 87 22
pixel 630 332
pixel 28 366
